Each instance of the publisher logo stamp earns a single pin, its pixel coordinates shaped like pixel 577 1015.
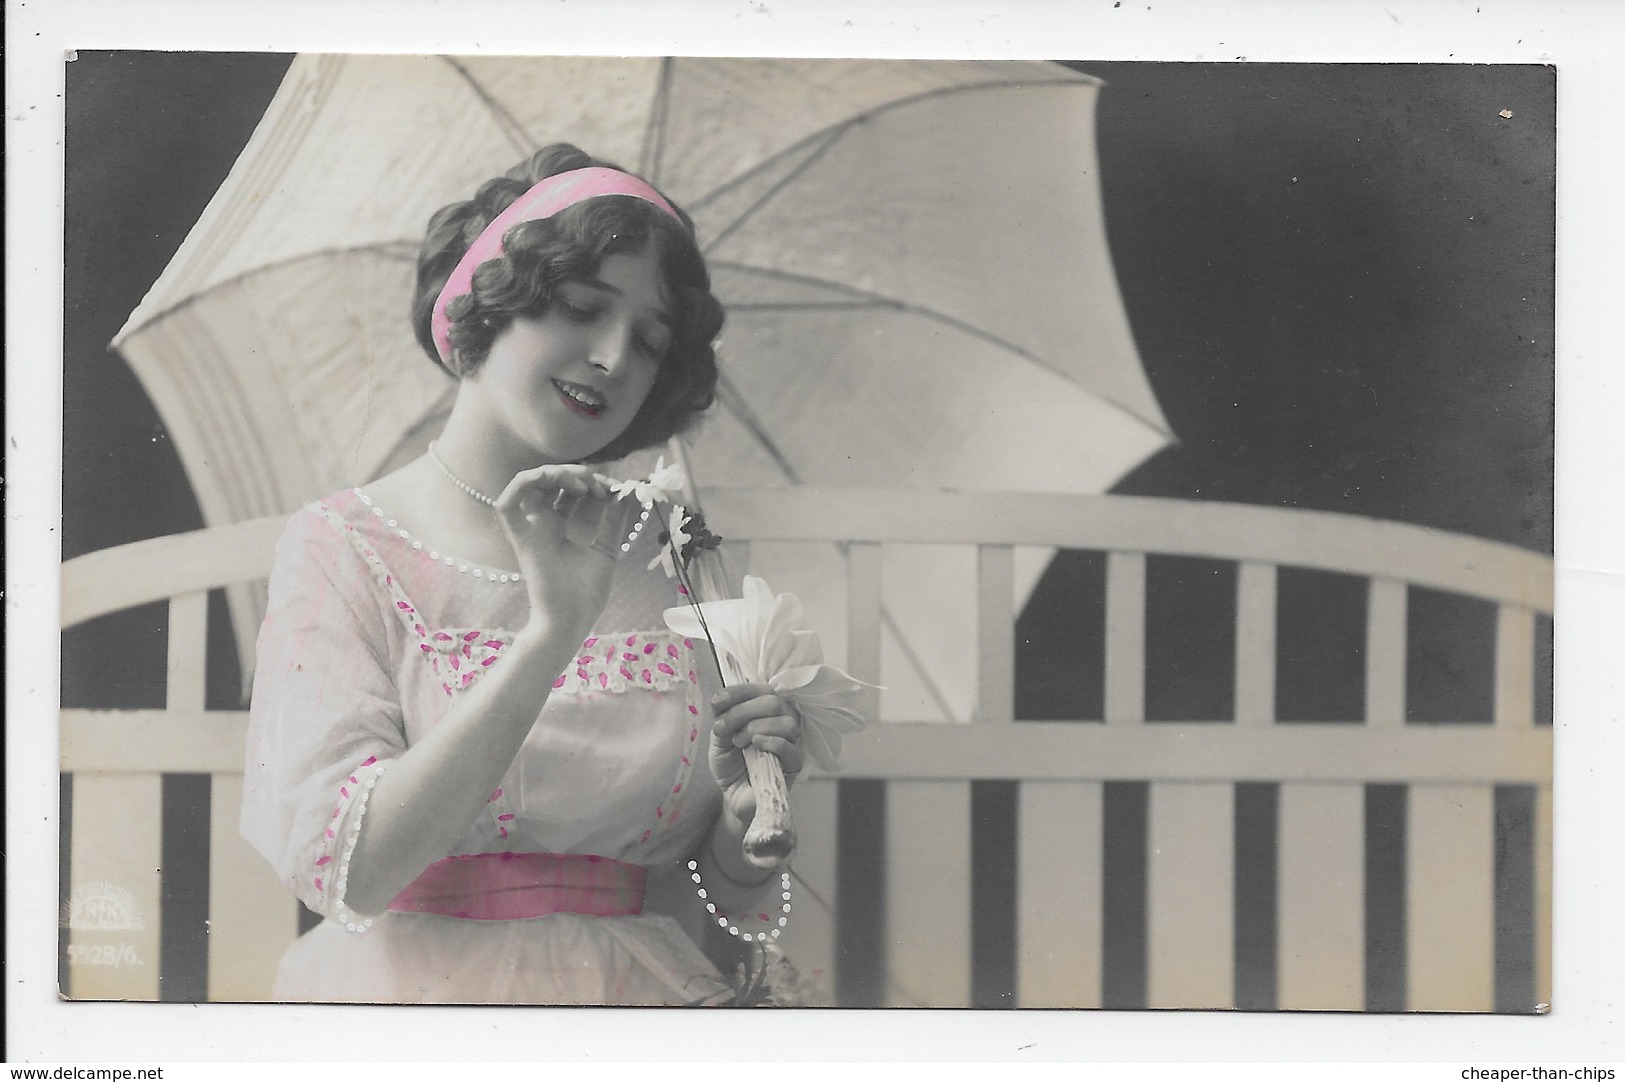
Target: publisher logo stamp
pixel 102 907
pixel 99 907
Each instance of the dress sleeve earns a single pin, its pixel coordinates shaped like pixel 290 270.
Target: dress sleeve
pixel 325 717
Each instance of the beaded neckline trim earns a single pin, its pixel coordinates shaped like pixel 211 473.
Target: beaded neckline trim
pixel 478 571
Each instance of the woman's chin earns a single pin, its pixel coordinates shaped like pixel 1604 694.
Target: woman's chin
pixel 572 448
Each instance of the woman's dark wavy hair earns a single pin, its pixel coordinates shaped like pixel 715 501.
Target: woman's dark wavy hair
pixel 538 255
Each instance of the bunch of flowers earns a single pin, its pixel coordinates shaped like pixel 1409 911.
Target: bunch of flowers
pixel 759 637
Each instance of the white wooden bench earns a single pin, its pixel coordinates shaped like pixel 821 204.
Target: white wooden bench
pixel 1061 770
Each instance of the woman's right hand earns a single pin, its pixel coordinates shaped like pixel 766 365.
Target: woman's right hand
pixel 565 527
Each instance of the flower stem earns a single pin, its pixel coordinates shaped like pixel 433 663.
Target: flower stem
pixel 687 584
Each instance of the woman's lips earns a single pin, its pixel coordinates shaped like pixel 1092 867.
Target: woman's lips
pixel 580 398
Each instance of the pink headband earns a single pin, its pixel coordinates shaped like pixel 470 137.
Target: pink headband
pixel 549 196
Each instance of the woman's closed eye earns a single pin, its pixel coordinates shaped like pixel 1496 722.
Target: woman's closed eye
pixel 654 342
pixel 578 309
pixel 588 302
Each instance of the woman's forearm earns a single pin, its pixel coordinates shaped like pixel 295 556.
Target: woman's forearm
pixel 437 788
pixel 727 875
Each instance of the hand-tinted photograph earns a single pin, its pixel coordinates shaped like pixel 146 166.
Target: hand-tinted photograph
pixel 808 533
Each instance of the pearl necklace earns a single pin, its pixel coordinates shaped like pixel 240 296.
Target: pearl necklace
pixel 724 922
pixel 458 481
pixel 626 546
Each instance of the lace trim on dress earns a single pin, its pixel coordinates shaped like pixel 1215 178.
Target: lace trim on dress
pixel 338 843
pixel 622 661
pixel 457 655
pixel 671 809
pixel 479 571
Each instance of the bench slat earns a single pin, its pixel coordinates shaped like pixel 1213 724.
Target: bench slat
pixel 117 839
pixel 928 912
pixel 1058 900
pixel 1450 898
pixel 1190 871
pixel 1255 644
pixel 1514 665
pixel 1385 654
pixel 188 650
pixel 996 633
pixel 1321 932
pixel 252 916
pixel 1125 638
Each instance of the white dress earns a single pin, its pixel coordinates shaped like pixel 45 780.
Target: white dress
pixel 370 636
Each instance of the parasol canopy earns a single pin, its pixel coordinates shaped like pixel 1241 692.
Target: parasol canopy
pixel 911 253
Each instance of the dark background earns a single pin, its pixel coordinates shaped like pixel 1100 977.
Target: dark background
pixel 1340 279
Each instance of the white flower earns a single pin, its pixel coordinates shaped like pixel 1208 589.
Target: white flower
pixel 760 637
pixel 672 550
pixel 659 487
pixel 665 561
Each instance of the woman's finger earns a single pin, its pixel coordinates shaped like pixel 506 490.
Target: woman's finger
pixel 752 712
pixel 613 532
pixel 741 800
pixel 788 753
pixel 546 498
pixel 734 694
pixel 767 723
pixel 782 726
pixel 551 481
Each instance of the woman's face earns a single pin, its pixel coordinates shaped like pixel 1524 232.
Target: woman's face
pixel 568 382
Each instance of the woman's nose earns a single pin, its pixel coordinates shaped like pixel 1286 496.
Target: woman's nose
pixel 611 348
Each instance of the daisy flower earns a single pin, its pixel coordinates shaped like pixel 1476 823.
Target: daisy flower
pixel 673 544
pixel 660 486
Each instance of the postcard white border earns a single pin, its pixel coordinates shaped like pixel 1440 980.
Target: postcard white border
pixel 1582 38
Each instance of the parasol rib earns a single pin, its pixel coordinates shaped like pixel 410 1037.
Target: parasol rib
pixel 1077 79
pixel 517 136
pixel 654 132
pixel 912 656
pixel 735 403
pixel 803 306
pixel 400 251
pixel 865 298
pixel 772 193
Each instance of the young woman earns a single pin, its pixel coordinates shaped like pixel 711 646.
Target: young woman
pixel 474 747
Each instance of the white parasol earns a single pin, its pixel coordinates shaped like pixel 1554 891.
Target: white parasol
pixel 912 255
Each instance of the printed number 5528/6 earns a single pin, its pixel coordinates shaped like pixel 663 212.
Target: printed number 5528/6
pixel 103 955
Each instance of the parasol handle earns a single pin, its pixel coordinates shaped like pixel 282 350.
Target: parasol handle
pixel 771 836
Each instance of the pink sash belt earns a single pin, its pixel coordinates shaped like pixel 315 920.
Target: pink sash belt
pixel 515 886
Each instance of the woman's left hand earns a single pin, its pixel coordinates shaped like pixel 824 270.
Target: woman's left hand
pixel 749 714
